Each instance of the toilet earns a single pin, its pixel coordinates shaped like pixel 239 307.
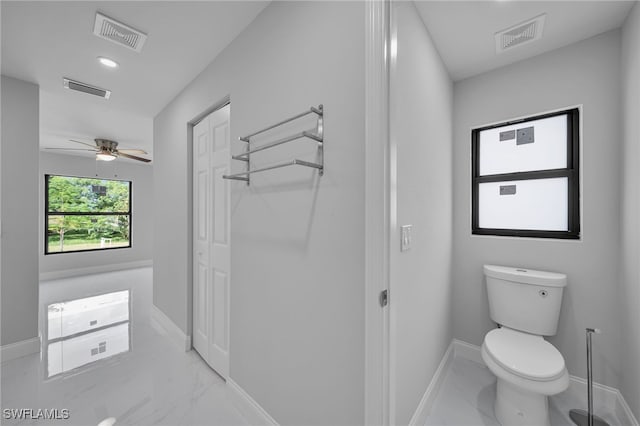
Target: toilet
pixel 526 306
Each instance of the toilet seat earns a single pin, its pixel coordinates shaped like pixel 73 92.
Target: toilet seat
pixel 525 355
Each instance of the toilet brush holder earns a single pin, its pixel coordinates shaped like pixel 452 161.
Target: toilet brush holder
pixel 581 417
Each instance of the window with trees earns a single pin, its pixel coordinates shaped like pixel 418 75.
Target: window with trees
pixel 83 214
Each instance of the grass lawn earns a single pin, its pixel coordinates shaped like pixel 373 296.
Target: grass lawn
pixel 77 244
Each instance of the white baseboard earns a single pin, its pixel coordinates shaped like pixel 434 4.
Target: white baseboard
pixel 248 407
pixel 466 350
pixel 623 411
pixel 167 326
pixel 67 273
pixel 19 349
pixel 604 396
pixel 424 407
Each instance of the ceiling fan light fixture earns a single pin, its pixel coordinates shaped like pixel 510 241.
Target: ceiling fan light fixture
pixel 109 63
pixel 105 156
pixel 107 150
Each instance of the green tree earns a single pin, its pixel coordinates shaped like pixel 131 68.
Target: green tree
pixel 87 195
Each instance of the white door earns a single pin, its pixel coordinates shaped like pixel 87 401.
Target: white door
pixel 211 240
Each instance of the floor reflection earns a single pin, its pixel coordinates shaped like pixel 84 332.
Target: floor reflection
pixel 86 330
pixel 84 322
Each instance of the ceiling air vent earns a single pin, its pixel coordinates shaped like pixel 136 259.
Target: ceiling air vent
pixel 85 88
pixel 520 34
pixel 119 33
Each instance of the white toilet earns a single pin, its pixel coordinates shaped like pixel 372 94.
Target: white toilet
pixel 526 305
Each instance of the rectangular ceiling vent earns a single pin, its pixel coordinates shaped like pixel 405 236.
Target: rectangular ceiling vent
pixel 119 33
pixel 85 88
pixel 520 34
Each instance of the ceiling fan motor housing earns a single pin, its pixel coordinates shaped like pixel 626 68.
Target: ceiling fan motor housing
pixel 106 145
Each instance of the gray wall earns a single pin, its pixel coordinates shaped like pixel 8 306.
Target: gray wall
pixel 421 126
pixel 297 282
pixel 20 144
pixel 630 283
pixel 586 73
pixel 141 176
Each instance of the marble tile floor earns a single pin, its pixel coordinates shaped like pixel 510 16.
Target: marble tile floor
pixel 468 391
pixel 151 381
pixel 148 380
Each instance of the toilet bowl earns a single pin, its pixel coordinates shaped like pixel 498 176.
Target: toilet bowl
pixel 528 370
pixel 526 306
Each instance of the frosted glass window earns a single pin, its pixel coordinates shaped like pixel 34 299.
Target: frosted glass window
pixel 526 177
pixel 536 204
pixel 526 146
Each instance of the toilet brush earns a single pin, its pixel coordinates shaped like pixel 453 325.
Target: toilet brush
pixel 581 417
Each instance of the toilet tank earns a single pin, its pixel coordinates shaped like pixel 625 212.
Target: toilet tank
pixel 525 299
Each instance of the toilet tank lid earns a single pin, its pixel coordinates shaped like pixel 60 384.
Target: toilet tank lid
pixel 526 276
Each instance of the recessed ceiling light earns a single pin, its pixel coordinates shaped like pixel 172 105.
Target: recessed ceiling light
pixel 107 62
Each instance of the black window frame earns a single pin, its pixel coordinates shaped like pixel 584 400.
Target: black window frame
pixel 48 213
pixel 572 172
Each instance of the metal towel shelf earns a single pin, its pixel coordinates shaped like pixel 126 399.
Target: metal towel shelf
pixel 294 162
pixel 316 134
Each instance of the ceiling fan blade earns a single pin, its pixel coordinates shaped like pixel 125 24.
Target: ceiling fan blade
pixel 133 151
pixel 133 157
pixel 83 143
pixel 75 149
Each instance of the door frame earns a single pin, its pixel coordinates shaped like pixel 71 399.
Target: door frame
pixel 190 125
pixel 379 214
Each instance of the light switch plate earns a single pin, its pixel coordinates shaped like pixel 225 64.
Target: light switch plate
pixel 405 237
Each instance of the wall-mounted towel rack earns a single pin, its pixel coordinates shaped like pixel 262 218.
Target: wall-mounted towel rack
pixel 316 134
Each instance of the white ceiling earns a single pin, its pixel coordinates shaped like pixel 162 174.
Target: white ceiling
pixel 45 41
pixel 463 31
pixel 42 42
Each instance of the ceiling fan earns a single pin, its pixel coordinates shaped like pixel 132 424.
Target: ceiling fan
pixel 107 150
